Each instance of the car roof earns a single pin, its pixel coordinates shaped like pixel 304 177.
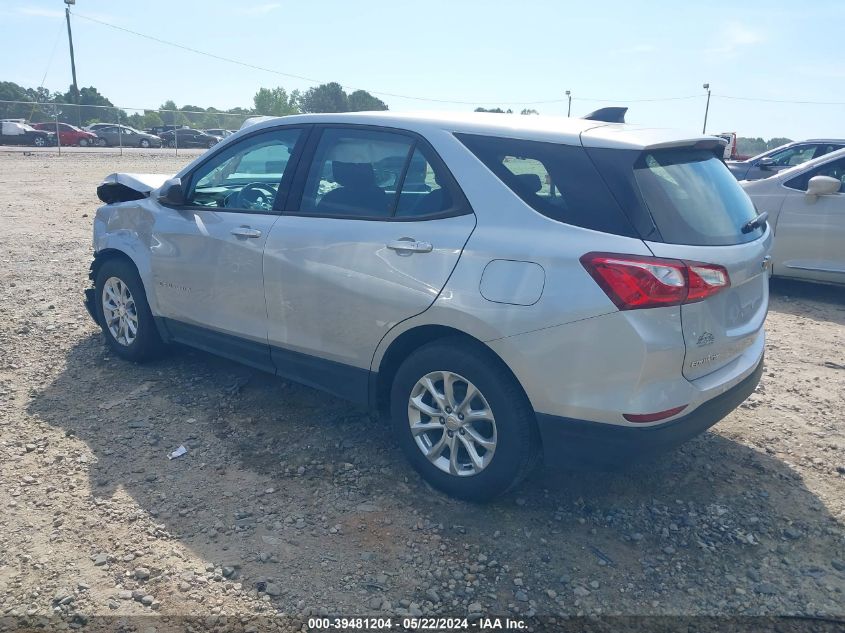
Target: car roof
pixel 573 131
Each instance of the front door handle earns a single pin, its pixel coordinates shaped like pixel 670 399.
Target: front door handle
pixel 406 246
pixel 245 231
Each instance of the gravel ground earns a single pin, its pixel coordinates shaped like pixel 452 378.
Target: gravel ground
pixel 291 501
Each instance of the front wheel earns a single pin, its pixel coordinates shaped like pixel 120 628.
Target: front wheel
pixel 171 144
pixel 144 143
pixel 40 141
pixel 211 144
pixel 124 313
pixel 462 420
pixel 83 142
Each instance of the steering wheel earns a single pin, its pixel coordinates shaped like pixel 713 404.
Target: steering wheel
pixel 255 195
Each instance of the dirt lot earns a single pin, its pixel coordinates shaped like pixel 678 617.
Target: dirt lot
pixel 290 501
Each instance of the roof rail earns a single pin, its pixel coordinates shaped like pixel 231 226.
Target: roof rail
pixel 612 114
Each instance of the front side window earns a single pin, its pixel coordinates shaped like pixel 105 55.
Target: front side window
pixel 246 175
pixel 792 156
pixel 833 169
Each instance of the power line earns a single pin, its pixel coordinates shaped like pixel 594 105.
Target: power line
pixel 637 100
pixel 795 101
pixel 52 54
pixel 375 92
pixel 314 80
pixel 49 62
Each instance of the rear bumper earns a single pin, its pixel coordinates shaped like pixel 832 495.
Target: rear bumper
pixel 585 444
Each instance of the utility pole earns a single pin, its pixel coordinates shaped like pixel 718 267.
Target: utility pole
pixel 569 98
pixel 68 4
pixel 706 108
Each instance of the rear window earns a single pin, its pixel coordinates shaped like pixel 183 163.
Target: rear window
pixel 559 181
pixel 693 198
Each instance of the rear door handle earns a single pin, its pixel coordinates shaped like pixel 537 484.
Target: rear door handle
pixel 408 246
pixel 245 231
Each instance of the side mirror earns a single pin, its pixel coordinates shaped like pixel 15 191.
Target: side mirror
pixel 171 192
pixel 823 186
pixel 766 163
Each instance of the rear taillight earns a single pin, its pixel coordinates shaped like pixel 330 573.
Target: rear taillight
pixel 634 281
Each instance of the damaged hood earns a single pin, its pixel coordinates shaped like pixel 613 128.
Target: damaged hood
pixel 120 187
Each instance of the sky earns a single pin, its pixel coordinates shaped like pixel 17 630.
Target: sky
pixel 440 52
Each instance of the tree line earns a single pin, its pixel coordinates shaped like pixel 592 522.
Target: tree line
pixel 43 105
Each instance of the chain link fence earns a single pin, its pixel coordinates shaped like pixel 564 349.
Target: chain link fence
pixel 61 127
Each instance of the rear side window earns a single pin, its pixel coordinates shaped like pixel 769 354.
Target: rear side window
pixel 356 173
pixel 374 174
pixel 834 169
pixel 693 198
pixel 556 180
pixel 423 191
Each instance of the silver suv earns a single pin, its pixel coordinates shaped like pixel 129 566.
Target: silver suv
pixel 498 287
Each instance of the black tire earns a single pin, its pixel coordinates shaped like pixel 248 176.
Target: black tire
pixel 171 144
pixel 211 144
pixel 83 142
pixel 102 142
pixel 144 143
pixel 147 343
pixel 517 444
pixel 39 141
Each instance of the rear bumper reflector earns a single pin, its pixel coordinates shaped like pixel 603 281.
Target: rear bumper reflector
pixel 653 417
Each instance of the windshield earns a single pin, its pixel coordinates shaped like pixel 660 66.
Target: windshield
pixel 694 199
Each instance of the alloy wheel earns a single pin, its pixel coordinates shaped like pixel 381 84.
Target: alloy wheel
pixel 120 311
pixel 452 423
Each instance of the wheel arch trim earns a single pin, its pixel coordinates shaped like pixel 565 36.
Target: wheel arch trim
pixel 402 341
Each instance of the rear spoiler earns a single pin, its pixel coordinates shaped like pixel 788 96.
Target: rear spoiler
pixel 714 144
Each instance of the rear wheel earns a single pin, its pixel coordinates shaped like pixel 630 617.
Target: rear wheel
pixel 102 142
pixel 462 420
pixel 124 313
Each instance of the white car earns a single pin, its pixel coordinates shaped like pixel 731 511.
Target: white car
pixel 806 209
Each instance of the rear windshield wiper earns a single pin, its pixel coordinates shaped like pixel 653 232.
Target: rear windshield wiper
pixel 757 222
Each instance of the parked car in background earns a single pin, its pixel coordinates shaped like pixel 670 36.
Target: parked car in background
pixel 19 133
pixel 126 136
pixel 219 132
pixel 69 134
pixel 806 207
pixel 771 162
pixel 158 130
pixel 96 126
pixel 497 286
pixel 187 137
